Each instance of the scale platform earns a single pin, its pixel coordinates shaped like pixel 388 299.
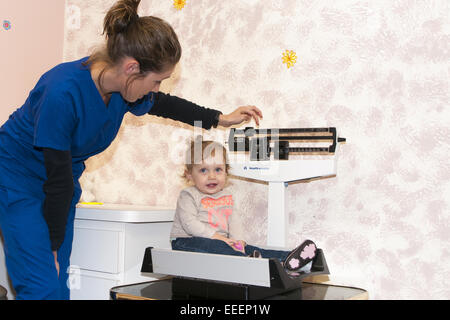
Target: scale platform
pixel 216 276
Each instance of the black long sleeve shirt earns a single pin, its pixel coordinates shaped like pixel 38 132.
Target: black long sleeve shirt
pixel 176 108
pixel 59 186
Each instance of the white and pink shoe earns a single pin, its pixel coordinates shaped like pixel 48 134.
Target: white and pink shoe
pixel 301 256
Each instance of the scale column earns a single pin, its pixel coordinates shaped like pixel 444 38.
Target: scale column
pixel 277 217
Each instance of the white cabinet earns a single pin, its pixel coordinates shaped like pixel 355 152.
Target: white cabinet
pixel 109 245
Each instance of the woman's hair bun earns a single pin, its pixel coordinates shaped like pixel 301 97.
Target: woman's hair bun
pixel 149 40
pixel 120 16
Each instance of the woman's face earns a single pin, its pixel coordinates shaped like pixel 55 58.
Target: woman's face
pixel 140 87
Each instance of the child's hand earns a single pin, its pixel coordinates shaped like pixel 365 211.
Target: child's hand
pixel 239 245
pixel 229 241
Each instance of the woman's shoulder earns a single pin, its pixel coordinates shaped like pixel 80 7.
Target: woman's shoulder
pixel 66 75
pixel 67 82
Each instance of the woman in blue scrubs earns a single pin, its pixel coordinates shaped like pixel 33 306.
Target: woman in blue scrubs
pixel 73 113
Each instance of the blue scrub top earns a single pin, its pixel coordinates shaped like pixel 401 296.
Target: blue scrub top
pixel 64 111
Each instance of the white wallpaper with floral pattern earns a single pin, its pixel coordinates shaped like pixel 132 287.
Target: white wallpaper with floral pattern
pixel 376 70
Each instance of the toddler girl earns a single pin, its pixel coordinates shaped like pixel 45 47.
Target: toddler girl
pixel 206 220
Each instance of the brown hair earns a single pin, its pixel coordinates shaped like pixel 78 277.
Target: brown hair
pixel 150 40
pixel 201 149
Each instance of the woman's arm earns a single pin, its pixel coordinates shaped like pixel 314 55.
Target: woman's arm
pixel 58 189
pixel 179 109
pixel 241 114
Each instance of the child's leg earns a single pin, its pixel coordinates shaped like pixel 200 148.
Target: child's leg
pixel 204 245
pixel 265 253
pixel 293 260
pixel 301 256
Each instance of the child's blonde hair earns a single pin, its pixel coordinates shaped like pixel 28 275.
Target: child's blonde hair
pixel 200 150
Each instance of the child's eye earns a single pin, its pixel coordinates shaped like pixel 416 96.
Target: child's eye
pixel 203 170
pixel 218 169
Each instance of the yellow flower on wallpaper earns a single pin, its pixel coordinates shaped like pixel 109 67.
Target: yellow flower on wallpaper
pixel 289 58
pixel 179 4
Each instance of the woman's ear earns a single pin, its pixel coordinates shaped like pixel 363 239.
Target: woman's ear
pixel 130 66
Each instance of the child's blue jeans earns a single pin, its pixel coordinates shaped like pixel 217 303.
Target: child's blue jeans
pixel 206 245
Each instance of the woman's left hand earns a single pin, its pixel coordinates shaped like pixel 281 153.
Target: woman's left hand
pixel 55 254
pixel 241 114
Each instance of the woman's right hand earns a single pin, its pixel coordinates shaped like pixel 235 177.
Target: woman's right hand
pixel 241 114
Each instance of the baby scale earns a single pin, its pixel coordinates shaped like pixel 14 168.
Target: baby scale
pixel 276 157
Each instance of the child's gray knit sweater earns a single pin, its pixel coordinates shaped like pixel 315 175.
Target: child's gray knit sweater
pixel 201 215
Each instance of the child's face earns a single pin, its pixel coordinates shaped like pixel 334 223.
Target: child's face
pixel 209 177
